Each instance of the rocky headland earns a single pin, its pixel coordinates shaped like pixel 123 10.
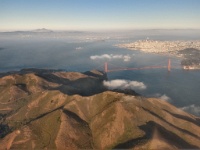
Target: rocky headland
pixel 51 109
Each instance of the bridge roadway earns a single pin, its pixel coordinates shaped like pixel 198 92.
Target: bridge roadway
pixel 142 68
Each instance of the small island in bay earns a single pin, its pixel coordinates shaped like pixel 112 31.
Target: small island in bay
pixel 189 51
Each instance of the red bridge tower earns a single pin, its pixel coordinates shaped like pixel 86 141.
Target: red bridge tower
pixel 106 67
pixel 169 65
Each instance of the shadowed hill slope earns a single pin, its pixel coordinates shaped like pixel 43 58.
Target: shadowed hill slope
pixel 69 110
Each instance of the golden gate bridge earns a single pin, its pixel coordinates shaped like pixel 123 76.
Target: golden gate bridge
pixel 107 69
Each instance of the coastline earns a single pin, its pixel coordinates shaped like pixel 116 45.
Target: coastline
pixel 170 48
pixel 154 46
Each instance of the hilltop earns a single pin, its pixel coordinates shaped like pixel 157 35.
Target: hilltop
pixel 54 109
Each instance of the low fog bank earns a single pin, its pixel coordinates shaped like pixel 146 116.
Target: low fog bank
pixel 112 56
pixel 124 85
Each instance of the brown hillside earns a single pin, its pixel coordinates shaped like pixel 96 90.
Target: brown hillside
pixel 65 110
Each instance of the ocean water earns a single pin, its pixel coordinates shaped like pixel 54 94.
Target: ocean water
pixel 179 87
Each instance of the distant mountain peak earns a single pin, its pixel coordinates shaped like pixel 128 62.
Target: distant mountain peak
pixel 42 30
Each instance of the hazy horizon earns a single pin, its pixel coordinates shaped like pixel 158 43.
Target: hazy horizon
pixel 102 30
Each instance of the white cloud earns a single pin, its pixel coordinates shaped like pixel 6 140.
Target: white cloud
pixel 165 98
pixel 193 109
pixel 116 56
pixel 127 58
pixel 162 97
pixel 124 84
pixel 79 48
pixel 104 56
pixel 112 56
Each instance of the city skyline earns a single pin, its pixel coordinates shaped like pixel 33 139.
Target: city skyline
pixel 99 14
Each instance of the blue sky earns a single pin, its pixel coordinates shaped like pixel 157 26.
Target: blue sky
pixel 99 14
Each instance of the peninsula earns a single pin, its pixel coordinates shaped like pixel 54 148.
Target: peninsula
pixel 153 46
pixel 190 60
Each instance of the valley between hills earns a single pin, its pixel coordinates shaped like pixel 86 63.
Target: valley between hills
pixel 54 109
